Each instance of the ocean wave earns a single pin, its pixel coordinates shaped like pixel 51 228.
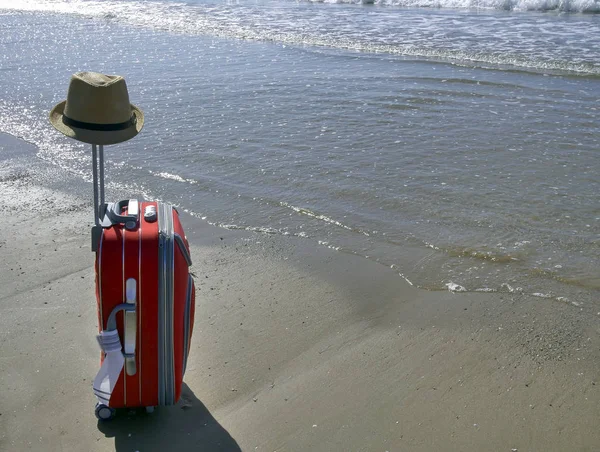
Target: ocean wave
pixel 512 46
pixel 572 6
pixel 109 9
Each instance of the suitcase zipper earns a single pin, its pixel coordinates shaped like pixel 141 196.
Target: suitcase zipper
pixel 124 316
pixel 170 342
pixel 139 328
pixel 186 323
pixel 161 305
pixel 99 282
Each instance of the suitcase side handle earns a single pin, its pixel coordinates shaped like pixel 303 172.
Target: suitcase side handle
pixel 130 326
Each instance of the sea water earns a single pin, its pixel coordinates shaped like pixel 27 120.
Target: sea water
pixel 454 141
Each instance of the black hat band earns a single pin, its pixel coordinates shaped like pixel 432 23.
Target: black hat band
pixel 99 127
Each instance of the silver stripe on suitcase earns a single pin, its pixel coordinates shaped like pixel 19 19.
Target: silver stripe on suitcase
pixel 166 372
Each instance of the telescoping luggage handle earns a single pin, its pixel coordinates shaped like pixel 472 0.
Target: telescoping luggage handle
pixel 107 214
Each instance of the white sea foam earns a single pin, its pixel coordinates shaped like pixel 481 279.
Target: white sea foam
pixel 585 6
pixel 541 295
pixel 175 177
pixel 505 287
pixel 328 245
pixel 321 217
pixel 405 279
pixel 453 287
pixel 111 9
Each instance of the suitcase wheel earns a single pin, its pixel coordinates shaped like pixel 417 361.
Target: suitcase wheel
pixel 104 413
pixel 149 409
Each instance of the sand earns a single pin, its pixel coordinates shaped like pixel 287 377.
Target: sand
pixel 296 348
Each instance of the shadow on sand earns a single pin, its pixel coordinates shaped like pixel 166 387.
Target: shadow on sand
pixel 187 426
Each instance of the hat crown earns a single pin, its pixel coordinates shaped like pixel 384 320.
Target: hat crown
pixel 97 110
pixel 98 99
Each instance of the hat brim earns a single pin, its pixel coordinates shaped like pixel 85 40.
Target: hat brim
pixel 96 136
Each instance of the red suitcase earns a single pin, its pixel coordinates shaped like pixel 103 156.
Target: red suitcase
pixel 146 299
pixel 144 290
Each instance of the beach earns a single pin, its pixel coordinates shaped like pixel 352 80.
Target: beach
pixel 296 347
pixel 392 210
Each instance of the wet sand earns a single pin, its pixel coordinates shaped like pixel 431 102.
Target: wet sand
pixel 296 347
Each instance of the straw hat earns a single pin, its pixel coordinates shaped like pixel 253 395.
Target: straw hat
pixel 97 110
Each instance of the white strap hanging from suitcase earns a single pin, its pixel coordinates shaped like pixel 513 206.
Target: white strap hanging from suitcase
pixel 109 342
pixel 107 376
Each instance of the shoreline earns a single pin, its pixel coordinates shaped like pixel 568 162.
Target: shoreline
pixel 295 347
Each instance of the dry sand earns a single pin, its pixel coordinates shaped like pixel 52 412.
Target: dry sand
pixel 295 348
